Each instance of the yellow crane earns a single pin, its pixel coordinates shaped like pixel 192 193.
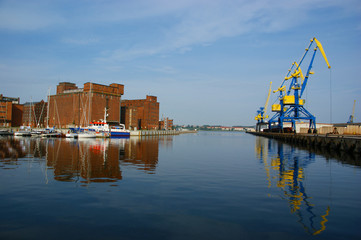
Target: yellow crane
pixel 261 113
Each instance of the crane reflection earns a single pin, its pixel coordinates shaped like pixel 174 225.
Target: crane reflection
pixel 285 169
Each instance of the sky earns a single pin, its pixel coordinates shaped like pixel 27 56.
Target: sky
pixel 207 61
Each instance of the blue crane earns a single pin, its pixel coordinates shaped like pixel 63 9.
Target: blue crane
pixel 291 105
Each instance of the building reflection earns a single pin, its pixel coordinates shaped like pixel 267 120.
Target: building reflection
pixel 285 169
pixel 84 160
pixel 10 150
pixel 87 160
pixel 141 154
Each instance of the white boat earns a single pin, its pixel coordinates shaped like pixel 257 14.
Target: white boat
pixel 51 133
pixel 37 132
pixel 86 135
pixel 102 134
pixel 23 134
pixel 71 135
pixel 119 131
pixel 103 129
pixel 24 131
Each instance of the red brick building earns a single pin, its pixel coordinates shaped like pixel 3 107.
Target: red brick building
pixel 34 114
pixel 141 113
pixel 10 112
pixel 166 124
pixel 73 106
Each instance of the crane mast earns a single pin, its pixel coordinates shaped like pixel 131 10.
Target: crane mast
pixel 266 104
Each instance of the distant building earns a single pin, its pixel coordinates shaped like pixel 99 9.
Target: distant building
pixel 141 113
pixel 10 112
pixel 35 114
pixel 238 128
pixel 73 106
pixel 166 124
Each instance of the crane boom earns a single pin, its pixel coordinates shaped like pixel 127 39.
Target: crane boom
pixel 261 113
pixel 319 45
pixel 266 104
pixel 353 113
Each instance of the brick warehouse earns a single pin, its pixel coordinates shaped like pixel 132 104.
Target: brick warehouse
pixel 166 124
pixel 35 113
pixel 141 113
pixel 11 112
pixel 73 106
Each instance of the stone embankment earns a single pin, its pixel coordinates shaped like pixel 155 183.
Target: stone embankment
pixel 158 132
pixel 153 132
pixel 335 142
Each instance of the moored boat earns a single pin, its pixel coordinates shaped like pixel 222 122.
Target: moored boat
pixel 71 135
pixel 119 131
pixel 51 133
pixel 37 132
pixel 24 131
pixel 86 135
pixel 104 129
pixel 6 133
pixel 22 134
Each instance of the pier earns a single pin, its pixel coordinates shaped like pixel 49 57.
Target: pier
pixel 135 133
pixel 335 142
pixel 159 132
pixel 153 132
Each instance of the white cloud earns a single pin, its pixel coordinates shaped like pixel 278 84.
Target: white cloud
pixel 204 22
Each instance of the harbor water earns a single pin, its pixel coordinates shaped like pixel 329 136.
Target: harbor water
pixel 208 185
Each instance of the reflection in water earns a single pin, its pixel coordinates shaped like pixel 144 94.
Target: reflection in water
pixel 10 150
pixel 88 160
pixel 286 169
pixel 84 160
pixel 143 154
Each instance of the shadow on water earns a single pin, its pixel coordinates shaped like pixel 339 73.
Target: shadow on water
pixel 88 160
pixel 340 156
pixel 286 168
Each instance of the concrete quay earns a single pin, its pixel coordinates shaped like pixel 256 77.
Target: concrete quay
pixel 159 132
pixel 333 142
pixel 153 132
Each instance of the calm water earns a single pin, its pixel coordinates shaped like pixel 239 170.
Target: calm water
pixel 194 186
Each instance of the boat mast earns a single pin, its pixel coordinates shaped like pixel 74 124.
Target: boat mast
pixel 31 100
pixel 47 111
pixel 105 115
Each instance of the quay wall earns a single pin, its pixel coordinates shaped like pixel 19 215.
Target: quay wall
pixel 333 142
pixel 348 130
pixel 153 132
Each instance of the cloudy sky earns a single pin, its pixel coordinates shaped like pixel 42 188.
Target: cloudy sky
pixel 207 61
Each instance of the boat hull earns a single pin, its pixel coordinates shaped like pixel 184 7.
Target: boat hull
pixel 71 135
pixel 86 135
pixel 119 134
pixel 23 134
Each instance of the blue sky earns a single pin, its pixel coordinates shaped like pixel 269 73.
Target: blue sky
pixel 208 62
